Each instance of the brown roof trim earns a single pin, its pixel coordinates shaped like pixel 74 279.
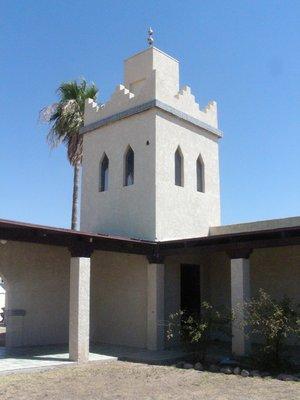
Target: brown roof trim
pixel 10 223
pixel 237 234
pixel 26 232
pixel 286 236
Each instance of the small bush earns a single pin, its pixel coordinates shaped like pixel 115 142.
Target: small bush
pixel 274 322
pixel 197 331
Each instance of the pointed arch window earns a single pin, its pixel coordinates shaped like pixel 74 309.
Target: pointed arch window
pixel 200 174
pixel 129 167
pixel 104 167
pixel 178 167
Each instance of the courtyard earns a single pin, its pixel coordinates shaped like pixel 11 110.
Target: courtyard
pixel 125 380
pixel 144 259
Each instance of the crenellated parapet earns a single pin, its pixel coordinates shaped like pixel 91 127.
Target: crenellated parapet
pixel 187 103
pixel 91 109
pixel 151 75
pixel 119 101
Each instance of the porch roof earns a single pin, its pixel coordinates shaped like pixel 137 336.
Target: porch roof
pixel 229 239
pixel 237 240
pixel 26 232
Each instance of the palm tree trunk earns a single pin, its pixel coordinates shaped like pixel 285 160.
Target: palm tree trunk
pixel 75 202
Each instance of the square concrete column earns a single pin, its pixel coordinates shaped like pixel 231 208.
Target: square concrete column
pixel 155 306
pixel 79 313
pixel 240 293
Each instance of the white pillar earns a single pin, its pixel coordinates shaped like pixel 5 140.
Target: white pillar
pixel 240 293
pixel 79 313
pixel 155 306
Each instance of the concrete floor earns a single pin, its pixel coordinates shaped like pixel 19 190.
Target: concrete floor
pixel 41 357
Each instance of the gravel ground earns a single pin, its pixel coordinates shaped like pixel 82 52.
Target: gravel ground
pixel 120 380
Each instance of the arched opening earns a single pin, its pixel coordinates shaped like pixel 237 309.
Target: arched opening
pixel 104 167
pixel 129 167
pixel 179 167
pixel 200 175
pixel 2 311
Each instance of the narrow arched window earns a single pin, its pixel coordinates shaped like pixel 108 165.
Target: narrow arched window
pixel 129 167
pixel 178 167
pixel 104 165
pixel 200 174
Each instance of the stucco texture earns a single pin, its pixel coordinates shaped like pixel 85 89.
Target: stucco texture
pixel 276 270
pixel 122 210
pixel 37 281
pixel 119 299
pixel 153 208
pixel 182 211
pixel 38 278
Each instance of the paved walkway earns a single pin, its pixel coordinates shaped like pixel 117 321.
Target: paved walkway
pixel 53 356
pixel 25 359
pixel 41 357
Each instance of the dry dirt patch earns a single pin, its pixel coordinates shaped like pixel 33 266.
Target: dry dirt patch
pixel 120 380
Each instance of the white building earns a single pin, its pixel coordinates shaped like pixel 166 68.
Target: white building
pixel 157 121
pixel 150 228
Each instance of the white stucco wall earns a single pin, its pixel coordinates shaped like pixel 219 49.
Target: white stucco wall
pixel 119 289
pixel 276 270
pixel 139 68
pixel 148 75
pixel 119 299
pixel 122 210
pixel 37 279
pixel 183 212
pixel 255 226
pixel 154 208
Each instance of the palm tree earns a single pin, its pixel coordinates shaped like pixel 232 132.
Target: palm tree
pixel 66 117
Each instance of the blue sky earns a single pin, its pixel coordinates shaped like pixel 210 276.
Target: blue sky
pixel 243 54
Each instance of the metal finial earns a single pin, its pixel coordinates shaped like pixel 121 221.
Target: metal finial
pixel 150 39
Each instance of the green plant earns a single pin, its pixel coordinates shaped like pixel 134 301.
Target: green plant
pixel 66 117
pixel 198 331
pixel 274 321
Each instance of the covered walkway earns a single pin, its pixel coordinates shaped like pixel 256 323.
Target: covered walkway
pixel 40 358
pixel 48 274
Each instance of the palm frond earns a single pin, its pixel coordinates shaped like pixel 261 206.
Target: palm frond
pixel 47 112
pixel 66 117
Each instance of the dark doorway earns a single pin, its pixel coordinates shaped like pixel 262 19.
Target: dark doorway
pixel 190 288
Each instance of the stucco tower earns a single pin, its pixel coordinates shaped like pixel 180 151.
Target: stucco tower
pixel 150 156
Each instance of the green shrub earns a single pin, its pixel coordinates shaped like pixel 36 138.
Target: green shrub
pixel 198 331
pixel 274 322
